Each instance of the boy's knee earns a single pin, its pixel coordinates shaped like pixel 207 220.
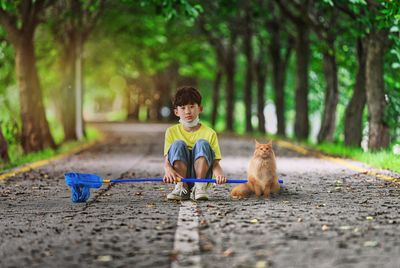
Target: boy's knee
pixel 202 149
pixel 179 144
pixel 204 144
pixel 178 151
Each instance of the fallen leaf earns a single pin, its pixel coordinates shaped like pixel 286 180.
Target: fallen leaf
pixel 299 220
pixel 150 205
pixel 345 227
pixel 207 247
pixel 174 255
pixel 104 258
pixel 229 252
pixel 325 227
pixel 261 264
pixel 370 218
pixel 254 221
pixel 371 243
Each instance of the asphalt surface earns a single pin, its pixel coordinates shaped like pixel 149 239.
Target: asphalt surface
pixel 325 216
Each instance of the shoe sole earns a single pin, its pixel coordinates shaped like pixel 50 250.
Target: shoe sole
pixel 201 198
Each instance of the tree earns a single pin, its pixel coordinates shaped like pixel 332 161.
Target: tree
pixel 221 28
pixel 323 20
pixel 247 33
pixel 280 54
pixel 260 70
pixel 302 48
pixel 353 123
pixel 378 132
pixel 72 24
pixel 19 20
pixel 354 110
pixel 376 18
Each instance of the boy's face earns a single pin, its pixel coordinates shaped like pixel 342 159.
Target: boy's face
pixel 188 112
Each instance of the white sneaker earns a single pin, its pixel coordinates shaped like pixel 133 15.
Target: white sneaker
pixel 199 191
pixel 180 192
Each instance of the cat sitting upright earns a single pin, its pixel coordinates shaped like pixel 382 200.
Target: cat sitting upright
pixel 261 175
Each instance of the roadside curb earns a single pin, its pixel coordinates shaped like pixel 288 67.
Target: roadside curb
pixel 30 166
pixel 340 161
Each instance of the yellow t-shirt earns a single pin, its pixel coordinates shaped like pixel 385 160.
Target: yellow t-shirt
pixel 177 132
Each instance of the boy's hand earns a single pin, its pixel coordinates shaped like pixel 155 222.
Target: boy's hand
pixel 171 176
pixel 221 179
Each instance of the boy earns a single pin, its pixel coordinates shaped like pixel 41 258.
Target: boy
pixel 191 149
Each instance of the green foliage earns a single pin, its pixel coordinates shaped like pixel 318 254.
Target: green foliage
pixel 9 5
pixel 9 98
pixel 384 159
pixel 173 8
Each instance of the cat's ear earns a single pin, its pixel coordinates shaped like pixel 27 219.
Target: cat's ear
pixel 270 142
pixel 257 143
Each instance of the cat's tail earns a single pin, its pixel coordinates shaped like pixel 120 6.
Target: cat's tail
pixel 243 190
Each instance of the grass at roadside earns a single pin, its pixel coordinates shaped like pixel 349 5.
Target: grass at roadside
pixel 18 158
pixel 384 159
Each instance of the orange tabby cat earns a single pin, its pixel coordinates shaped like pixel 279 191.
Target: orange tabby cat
pixel 261 175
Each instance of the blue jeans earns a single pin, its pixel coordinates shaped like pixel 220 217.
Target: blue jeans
pixel 179 151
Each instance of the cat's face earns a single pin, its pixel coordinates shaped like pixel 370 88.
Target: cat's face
pixel 264 150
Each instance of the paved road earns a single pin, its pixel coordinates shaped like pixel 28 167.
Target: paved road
pixel 326 215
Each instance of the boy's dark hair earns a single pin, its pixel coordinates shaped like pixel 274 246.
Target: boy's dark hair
pixel 186 95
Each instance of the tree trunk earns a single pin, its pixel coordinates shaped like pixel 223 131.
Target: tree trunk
pixel 67 89
pixel 353 118
pixel 215 98
pixel 261 77
pixel 3 149
pixel 79 86
pixel 248 52
pixel 301 126
pixel 261 70
pixel 35 129
pixel 275 53
pixel 378 129
pixel 133 106
pixel 230 66
pixel 279 67
pixel 331 95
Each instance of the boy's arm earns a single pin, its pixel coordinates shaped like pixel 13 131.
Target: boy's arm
pixel 170 173
pixel 218 173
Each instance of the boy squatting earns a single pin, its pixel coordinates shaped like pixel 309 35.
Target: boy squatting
pixel 191 150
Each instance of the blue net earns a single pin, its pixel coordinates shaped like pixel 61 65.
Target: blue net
pixel 80 184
